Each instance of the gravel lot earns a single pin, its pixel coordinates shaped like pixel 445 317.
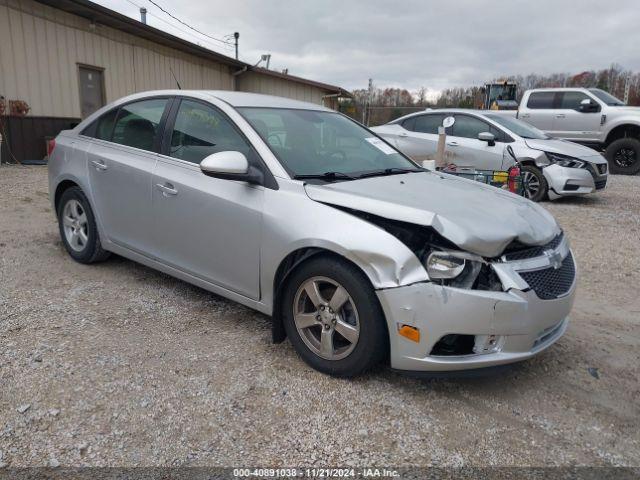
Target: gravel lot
pixel 118 365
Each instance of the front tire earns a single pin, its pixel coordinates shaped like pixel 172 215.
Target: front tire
pixel 78 228
pixel 623 156
pixel 333 318
pixel 534 185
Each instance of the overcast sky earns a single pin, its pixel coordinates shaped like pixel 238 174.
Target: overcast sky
pixel 413 43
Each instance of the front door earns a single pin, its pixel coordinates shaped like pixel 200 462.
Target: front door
pixel 91 90
pixel 121 160
pixel 207 227
pixel 465 150
pixel 571 123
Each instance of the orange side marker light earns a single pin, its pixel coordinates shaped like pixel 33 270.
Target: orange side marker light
pixel 407 331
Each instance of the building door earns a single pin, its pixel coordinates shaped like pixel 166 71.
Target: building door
pixel 91 90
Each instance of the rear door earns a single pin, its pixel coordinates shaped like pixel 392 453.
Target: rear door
pixel 419 140
pixel 207 227
pixel 121 162
pixel 539 110
pixel 465 150
pixel 572 122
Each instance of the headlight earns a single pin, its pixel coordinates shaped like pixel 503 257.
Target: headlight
pixel 444 265
pixel 456 269
pixel 564 160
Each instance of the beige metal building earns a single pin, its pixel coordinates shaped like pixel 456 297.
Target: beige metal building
pixel 60 60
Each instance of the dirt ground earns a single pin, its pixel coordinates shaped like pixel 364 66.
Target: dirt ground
pixel 118 365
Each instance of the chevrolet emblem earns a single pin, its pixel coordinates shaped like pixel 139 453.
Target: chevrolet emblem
pixel 555 258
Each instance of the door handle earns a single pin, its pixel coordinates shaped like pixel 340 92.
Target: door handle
pixel 560 115
pixel 166 189
pixel 452 144
pixel 525 115
pixel 403 134
pixel 99 165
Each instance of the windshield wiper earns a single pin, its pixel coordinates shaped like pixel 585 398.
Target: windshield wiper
pixel 326 176
pixel 389 171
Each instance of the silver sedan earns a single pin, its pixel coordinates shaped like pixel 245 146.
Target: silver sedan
pixel 551 168
pixel 359 255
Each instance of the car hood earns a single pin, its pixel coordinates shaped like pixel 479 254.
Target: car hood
pixel 634 110
pixel 565 147
pixel 477 218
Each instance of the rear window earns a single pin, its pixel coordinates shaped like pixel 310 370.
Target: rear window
pixel 428 123
pixel 409 123
pixel 540 100
pixel 137 123
pixel 104 126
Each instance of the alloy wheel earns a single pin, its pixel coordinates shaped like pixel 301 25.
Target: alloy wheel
pixel 531 185
pixel 75 224
pixel 625 157
pixel 326 318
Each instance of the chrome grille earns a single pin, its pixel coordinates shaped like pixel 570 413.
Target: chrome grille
pixel 532 252
pixel 550 283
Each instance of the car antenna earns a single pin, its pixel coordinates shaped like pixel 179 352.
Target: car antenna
pixel 174 77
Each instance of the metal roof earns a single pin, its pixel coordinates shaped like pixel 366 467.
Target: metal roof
pixel 104 16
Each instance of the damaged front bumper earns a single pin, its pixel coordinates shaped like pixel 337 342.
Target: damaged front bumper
pixel 565 181
pixel 518 322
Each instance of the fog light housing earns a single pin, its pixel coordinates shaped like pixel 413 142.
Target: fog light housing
pixel 488 343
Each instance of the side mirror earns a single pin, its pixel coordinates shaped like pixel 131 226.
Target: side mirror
pixel 490 138
pixel 587 106
pixel 231 166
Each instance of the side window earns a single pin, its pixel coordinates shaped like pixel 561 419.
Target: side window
pixel 105 123
pixel 541 100
pixel 201 130
pixel 571 100
pixel 500 135
pixel 469 127
pixel 409 124
pixel 137 123
pixel 101 127
pixel 428 123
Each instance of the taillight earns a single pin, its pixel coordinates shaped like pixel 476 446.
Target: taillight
pixel 51 145
pixel 514 175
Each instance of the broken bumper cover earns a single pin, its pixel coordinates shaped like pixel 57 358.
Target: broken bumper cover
pixel 564 181
pixel 525 324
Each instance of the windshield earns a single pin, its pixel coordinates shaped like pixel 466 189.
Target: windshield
pixel 311 142
pixel 518 127
pixel 607 98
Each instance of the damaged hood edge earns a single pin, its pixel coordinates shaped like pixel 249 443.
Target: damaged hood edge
pixel 492 220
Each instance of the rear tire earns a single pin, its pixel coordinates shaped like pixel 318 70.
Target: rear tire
pixel 535 186
pixel 623 156
pixel 78 228
pixel 308 318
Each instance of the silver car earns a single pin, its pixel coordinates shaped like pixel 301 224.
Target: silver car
pixel 359 255
pixel 552 168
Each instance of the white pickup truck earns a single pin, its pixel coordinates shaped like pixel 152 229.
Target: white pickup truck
pixel 589 116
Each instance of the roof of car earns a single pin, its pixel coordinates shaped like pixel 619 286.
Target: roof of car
pixel 244 99
pixel 235 99
pixel 439 110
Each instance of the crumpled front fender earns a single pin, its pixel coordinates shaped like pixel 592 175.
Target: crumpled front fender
pixel 293 222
